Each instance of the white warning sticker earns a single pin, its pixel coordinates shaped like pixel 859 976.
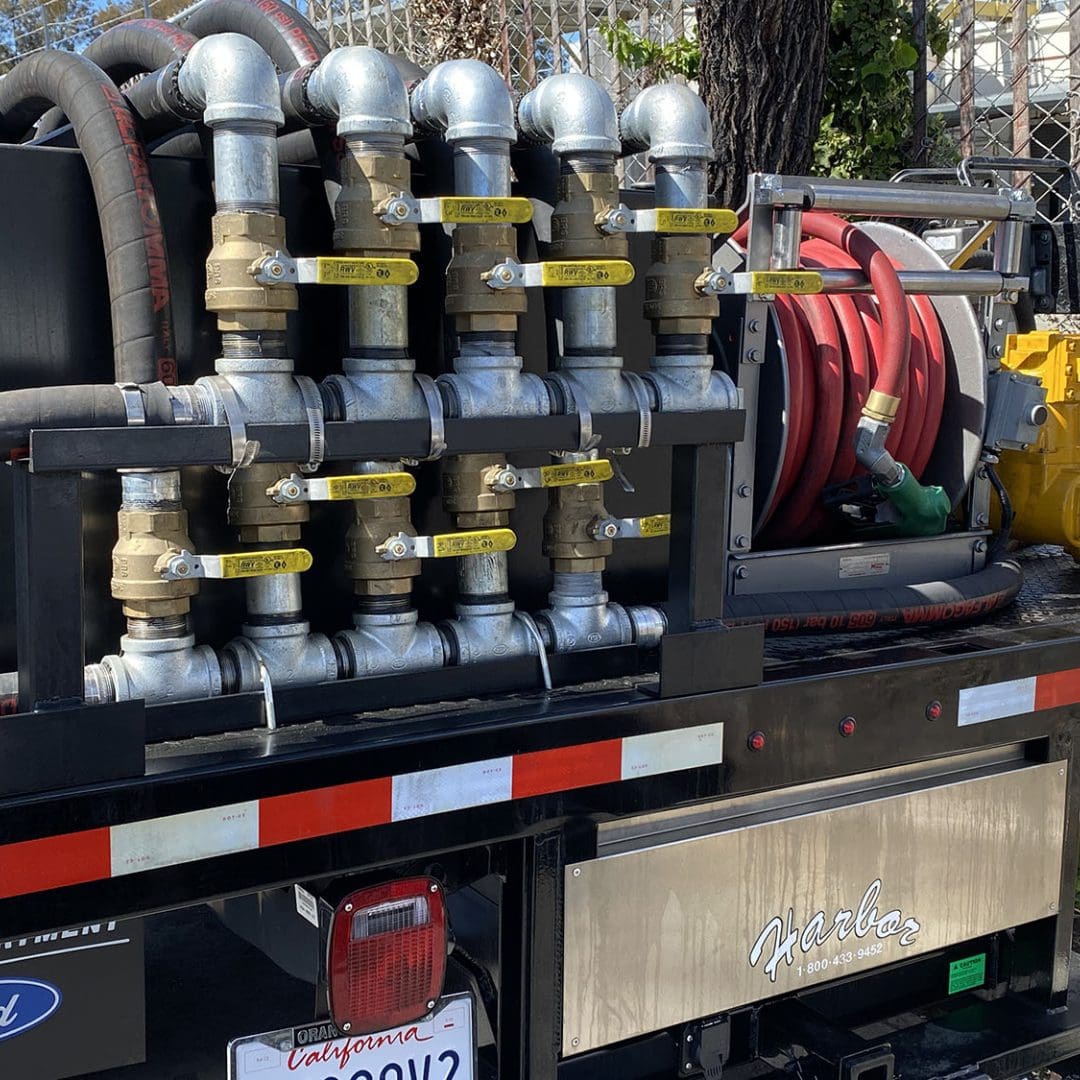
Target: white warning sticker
pixel 856 566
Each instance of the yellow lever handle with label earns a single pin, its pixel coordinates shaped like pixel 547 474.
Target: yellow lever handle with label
pixel 180 565
pixel 447 545
pixel 478 210
pixel 297 488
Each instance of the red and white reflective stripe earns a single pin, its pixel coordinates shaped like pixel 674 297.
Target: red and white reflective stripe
pixel 96 854
pixel 1014 697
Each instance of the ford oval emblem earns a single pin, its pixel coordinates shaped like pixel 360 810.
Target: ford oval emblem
pixel 25 1003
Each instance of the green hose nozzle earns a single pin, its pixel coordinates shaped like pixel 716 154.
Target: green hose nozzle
pixel 921 510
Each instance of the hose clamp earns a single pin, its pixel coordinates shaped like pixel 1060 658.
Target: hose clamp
pixel 433 400
pixel 244 450
pixel 313 407
pixel 264 679
pixel 134 405
pixel 534 632
pixel 641 399
pixel 575 404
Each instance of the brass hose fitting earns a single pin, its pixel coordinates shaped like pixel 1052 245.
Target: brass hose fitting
pixel 145 536
pixel 584 200
pixel 241 242
pixel 476 307
pixel 467 493
pixel 260 520
pixel 567 539
pixel 374 520
pixel 671 300
pixel 370 178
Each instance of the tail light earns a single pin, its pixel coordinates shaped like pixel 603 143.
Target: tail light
pixel 387 955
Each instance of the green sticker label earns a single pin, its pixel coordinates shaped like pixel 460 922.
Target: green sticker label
pixel 967 974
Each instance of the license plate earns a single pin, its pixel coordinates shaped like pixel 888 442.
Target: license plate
pixel 441 1047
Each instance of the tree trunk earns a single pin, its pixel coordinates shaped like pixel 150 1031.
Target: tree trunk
pixel 762 76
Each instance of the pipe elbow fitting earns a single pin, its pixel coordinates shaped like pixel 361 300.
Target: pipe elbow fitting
pixel 230 78
pixel 465 100
pixel 361 88
pixel 572 112
pixel 670 122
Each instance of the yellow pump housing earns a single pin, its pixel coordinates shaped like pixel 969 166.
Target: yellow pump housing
pixel 1044 481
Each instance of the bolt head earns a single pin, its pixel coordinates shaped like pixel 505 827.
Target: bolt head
pixel 291 491
pixel 752 356
pixel 397 549
pixel 181 568
pixel 753 326
pixel 982 519
pixel 401 210
pixel 346 1026
pixel 434 887
pixel 577 871
pixel 744 491
pixel 348 907
pixel 742 572
pixel 742 541
pixel 575 1042
pixel 430 1005
pixel 276 270
pixel 610 531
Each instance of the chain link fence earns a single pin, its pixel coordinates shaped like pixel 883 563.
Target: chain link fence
pixel 1007 86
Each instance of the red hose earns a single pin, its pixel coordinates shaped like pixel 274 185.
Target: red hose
pixel 839 348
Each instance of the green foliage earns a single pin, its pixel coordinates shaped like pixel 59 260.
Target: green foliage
pixel 654 61
pixel 867 122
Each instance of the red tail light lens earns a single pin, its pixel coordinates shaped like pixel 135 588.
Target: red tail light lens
pixel 387 959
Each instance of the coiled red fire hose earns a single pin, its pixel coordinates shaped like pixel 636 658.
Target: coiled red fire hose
pixel 840 349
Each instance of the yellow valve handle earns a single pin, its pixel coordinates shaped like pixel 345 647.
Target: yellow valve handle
pixel 586 273
pixel 355 271
pixel 578 472
pixel 477 210
pixel 370 486
pixel 479 542
pixel 785 282
pixel 655 525
pixel 671 220
pixel 264 563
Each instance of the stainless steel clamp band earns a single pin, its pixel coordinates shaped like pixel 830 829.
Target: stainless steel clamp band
pixel 433 399
pixel 244 449
pixel 134 405
pixel 313 407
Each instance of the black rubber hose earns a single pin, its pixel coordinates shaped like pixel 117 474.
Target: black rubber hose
pixel 284 34
pixel 1008 515
pixel 848 611
pixel 139 290
pixel 124 51
pixel 74 406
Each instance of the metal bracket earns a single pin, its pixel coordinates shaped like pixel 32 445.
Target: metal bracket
pixel 706 1047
